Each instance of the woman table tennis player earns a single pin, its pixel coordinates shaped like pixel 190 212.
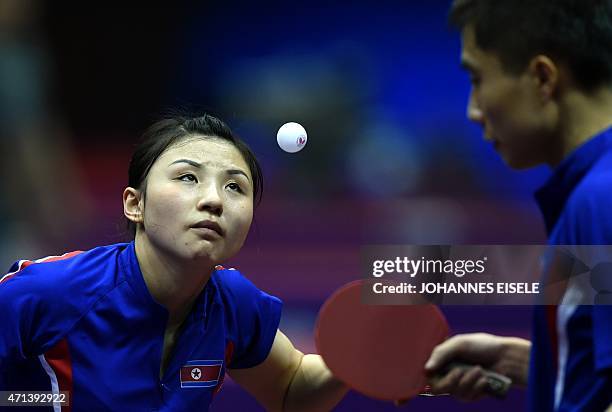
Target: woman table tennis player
pixel 154 323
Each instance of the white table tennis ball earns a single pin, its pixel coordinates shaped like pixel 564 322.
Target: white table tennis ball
pixel 291 137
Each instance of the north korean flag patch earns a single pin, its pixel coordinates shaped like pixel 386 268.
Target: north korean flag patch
pixel 201 373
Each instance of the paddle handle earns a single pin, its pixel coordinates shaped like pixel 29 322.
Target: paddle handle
pixel 497 384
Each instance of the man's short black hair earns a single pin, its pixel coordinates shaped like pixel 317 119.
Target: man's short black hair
pixel 575 32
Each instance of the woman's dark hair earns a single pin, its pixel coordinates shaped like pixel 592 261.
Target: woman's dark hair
pixel 166 132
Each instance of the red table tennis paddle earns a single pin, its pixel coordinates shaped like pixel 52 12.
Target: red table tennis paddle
pixel 381 350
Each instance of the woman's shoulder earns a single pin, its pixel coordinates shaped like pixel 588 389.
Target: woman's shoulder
pixel 230 280
pixel 65 271
pixel 233 285
pixel 45 297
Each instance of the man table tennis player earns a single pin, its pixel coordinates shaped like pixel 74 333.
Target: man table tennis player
pixel 541 75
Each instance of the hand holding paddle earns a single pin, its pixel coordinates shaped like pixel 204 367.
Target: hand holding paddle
pixel 507 354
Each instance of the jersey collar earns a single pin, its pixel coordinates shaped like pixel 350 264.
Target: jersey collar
pixel 133 275
pixel 554 194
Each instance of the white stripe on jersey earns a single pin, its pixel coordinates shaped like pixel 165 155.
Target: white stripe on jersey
pixel 19 267
pixel 564 313
pixel 54 384
pixel 578 291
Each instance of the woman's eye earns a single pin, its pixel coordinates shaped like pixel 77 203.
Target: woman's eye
pixel 188 178
pixel 234 186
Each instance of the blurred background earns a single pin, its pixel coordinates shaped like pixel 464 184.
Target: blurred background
pixel 390 159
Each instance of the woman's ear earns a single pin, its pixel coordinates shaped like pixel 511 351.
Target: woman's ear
pixel 132 205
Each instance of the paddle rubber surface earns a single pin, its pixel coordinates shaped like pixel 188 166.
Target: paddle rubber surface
pixel 378 350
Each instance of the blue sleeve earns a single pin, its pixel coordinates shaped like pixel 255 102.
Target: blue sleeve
pixel 17 318
pixel 587 218
pixel 588 221
pixel 256 318
pixel 32 317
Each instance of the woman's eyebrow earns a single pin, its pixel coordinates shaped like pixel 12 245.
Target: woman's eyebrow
pixel 190 162
pixel 237 172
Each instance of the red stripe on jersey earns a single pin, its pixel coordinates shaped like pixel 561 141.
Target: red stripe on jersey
pixel 551 321
pixel 58 358
pixel 25 263
pixel 229 352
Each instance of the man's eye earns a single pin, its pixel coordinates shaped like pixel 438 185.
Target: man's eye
pixel 188 178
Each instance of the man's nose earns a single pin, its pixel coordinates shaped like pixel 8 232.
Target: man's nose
pixel 210 199
pixel 473 111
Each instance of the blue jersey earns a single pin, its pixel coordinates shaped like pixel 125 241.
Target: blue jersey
pixel 86 323
pixel 571 358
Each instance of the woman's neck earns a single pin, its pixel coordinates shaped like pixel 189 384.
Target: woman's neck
pixel 173 283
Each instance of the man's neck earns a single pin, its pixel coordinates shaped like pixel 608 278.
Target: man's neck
pixel 583 116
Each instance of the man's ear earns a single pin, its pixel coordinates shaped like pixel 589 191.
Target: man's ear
pixel 132 205
pixel 545 73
